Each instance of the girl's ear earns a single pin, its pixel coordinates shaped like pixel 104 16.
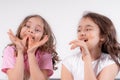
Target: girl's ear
pixel 102 39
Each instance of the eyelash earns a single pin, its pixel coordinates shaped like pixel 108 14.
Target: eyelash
pixel 78 30
pixel 28 26
pixel 85 30
pixel 88 29
pixel 37 30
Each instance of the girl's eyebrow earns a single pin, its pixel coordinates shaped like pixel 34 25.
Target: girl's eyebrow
pixel 89 25
pixel 28 22
pixel 86 26
pixel 39 25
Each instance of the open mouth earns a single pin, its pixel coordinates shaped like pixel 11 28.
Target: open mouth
pixel 86 40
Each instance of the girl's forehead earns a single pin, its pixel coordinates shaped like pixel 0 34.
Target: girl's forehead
pixel 87 22
pixel 35 21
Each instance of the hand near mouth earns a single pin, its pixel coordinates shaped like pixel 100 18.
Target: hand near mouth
pixel 82 45
pixel 33 45
pixel 20 43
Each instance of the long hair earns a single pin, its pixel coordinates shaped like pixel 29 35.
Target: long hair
pixel 107 30
pixel 50 45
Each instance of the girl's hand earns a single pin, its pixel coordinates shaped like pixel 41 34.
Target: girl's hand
pixel 32 45
pixel 20 44
pixel 83 47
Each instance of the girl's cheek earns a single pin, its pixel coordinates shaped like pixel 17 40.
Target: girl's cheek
pixel 39 37
pixel 22 33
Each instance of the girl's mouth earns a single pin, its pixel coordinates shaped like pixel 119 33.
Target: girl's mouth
pixel 86 40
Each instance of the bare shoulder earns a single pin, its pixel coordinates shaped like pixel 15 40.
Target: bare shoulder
pixel 109 72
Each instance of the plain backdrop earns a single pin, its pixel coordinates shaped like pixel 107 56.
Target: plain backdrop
pixel 62 15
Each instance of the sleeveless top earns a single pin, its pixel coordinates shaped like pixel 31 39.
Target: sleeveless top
pixel 75 64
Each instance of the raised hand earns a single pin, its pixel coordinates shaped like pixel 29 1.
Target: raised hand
pixel 20 44
pixel 82 45
pixel 32 45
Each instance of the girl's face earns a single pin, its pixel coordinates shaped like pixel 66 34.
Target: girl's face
pixel 89 32
pixel 33 28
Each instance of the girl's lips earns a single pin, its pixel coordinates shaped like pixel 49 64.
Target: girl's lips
pixel 85 40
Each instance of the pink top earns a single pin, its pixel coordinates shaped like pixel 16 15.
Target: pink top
pixel 9 60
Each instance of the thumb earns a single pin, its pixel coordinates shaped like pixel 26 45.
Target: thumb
pixel 44 40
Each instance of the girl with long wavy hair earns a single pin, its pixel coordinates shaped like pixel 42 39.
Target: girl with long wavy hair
pixel 99 54
pixel 32 54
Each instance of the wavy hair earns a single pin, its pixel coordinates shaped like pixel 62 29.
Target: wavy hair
pixel 50 45
pixel 107 30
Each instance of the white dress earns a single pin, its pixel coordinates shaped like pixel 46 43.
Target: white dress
pixel 75 64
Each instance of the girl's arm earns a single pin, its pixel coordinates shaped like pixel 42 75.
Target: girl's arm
pixel 17 73
pixel 88 70
pixel 65 74
pixel 108 73
pixel 35 72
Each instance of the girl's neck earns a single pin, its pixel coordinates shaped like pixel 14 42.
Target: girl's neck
pixel 95 53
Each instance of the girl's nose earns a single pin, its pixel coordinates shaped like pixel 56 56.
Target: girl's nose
pixel 30 31
pixel 82 33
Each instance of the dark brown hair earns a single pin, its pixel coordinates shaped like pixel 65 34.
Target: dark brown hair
pixel 107 30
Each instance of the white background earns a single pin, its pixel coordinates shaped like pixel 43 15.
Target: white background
pixel 62 15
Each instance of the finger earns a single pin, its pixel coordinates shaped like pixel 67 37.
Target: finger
pixel 10 32
pixel 24 40
pixel 30 41
pixel 73 47
pixel 44 40
pixel 11 36
pixel 73 41
pixel 75 44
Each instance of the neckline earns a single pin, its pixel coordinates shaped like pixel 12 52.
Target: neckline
pixel 93 60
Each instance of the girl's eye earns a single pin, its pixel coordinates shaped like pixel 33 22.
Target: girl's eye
pixel 88 29
pixel 27 26
pixel 37 30
pixel 78 30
